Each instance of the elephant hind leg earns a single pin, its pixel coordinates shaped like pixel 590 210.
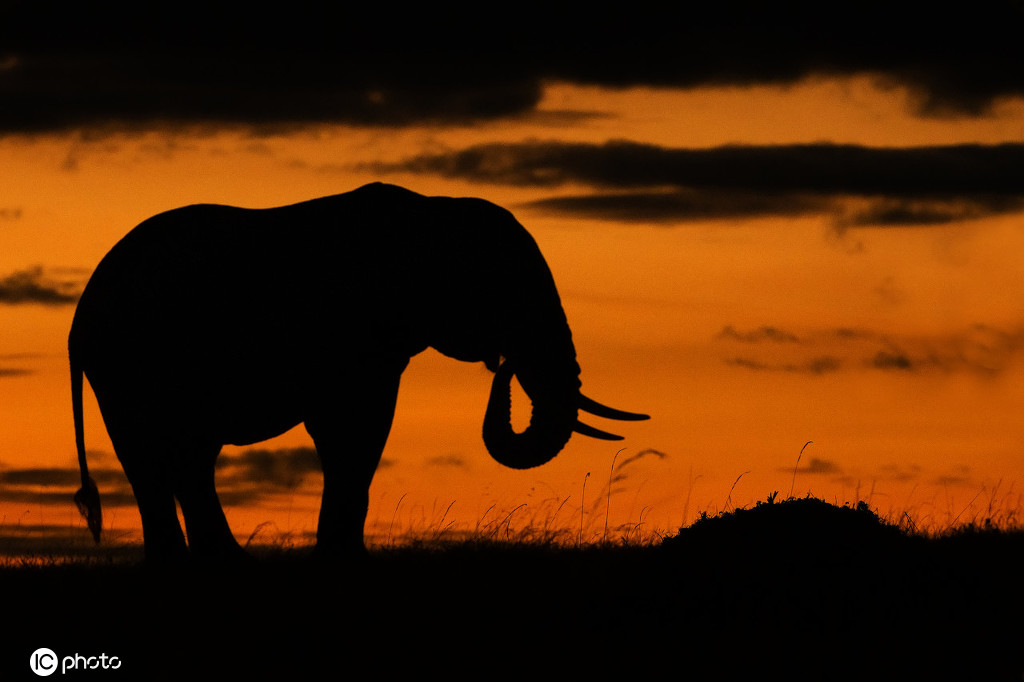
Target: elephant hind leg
pixel 160 471
pixel 209 535
pixel 154 495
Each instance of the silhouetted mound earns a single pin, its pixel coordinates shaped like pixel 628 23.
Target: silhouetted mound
pixel 844 586
pixel 801 566
pixel 807 529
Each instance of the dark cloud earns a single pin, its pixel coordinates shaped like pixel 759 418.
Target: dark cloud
pixel 901 472
pixel 910 212
pixel 257 475
pixel 41 286
pixel 57 485
pixel 112 497
pixel 758 335
pixel 816 465
pixel 970 170
pixel 817 365
pixel 820 466
pixel 959 476
pixel 244 478
pixel 888 360
pixel 65 65
pixel 656 207
pixel 981 350
pixel 40 477
pixel 644 182
pixel 7 372
pixel 692 205
pixel 283 468
pixel 452 461
pixel 58 476
pixel 186 63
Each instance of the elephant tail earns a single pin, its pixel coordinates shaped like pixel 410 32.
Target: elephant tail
pixel 88 496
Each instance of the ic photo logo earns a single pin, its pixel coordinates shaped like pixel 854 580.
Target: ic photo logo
pixel 44 662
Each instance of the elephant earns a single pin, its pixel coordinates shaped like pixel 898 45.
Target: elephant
pixel 210 325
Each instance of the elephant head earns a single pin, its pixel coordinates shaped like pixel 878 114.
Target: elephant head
pixel 518 327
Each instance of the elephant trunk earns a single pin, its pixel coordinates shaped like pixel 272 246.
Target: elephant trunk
pixel 551 421
pixel 553 418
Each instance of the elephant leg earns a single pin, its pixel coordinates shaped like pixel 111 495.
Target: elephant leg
pixel 154 495
pixel 209 535
pixel 350 439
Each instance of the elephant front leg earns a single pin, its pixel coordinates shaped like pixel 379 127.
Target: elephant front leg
pixel 350 439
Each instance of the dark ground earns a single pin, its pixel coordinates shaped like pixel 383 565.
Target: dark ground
pixel 793 590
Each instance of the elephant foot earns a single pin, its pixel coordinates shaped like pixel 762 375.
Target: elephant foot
pixel 348 553
pixel 222 555
pixel 165 553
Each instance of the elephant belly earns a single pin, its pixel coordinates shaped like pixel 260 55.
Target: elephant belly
pixel 210 406
pixel 252 413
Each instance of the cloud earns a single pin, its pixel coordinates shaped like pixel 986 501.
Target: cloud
pixel 889 360
pixel 758 335
pixel 820 466
pixel 710 204
pixel 69 477
pixel 667 207
pixel 818 365
pixel 40 286
pixel 646 182
pixel 816 465
pixel 901 472
pixel 780 358
pixel 980 349
pixel 57 485
pixel 959 475
pixel 115 497
pixel 8 372
pixel 40 477
pixel 819 169
pixel 932 211
pixel 452 461
pixel 244 478
pixel 282 468
pixel 193 63
pixel 65 66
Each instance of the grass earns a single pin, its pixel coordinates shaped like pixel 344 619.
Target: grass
pixel 798 587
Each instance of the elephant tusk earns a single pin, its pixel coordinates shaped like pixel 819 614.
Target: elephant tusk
pixel 595 408
pixel 587 430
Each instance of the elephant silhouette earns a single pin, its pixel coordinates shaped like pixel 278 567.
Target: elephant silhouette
pixel 210 325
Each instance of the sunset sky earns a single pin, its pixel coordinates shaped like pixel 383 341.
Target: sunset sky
pixel 767 229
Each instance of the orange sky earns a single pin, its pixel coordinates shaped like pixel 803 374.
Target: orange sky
pixel 896 350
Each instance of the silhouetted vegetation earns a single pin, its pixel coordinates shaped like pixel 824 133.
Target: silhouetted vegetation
pixel 799 588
